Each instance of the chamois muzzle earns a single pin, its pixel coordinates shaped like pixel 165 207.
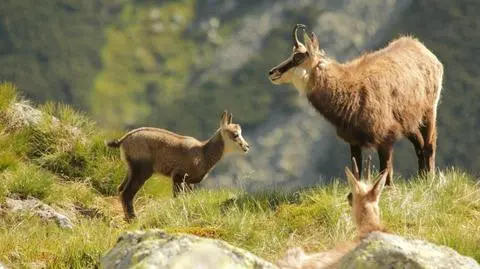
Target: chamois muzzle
pixel 246 147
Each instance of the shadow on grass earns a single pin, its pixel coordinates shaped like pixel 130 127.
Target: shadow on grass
pixel 261 201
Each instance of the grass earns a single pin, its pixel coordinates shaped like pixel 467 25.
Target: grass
pixel 445 212
pixel 66 165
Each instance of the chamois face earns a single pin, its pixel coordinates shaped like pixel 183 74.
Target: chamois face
pixel 232 135
pixel 296 68
pixel 364 200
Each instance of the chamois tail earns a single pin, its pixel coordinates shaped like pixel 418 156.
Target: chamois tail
pixel 115 143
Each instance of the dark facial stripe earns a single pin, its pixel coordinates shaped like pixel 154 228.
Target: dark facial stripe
pixel 293 61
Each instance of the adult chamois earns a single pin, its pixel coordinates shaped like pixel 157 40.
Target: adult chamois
pixel 183 158
pixel 364 201
pixel 372 100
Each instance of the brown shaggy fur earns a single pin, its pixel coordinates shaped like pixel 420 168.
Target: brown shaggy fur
pixel 183 158
pixel 374 99
pixel 366 214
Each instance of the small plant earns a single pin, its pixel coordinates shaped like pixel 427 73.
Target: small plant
pixel 28 180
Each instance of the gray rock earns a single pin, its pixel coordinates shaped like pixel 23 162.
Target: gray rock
pixel 2 266
pixel 156 249
pixel 380 250
pixel 37 207
pixel 23 114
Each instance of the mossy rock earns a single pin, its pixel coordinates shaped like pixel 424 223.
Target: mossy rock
pixel 157 249
pixel 380 250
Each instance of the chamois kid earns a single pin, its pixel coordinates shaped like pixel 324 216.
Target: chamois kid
pixel 372 100
pixel 364 201
pixel 185 159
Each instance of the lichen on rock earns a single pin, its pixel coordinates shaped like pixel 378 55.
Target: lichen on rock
pixel 38 208
pixel 380 250
pixel 157 249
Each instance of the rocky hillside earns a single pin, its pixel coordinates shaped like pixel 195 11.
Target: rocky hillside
pixel 178 64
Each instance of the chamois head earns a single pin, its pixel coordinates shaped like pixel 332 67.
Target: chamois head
pixel 296 68
pixel 364 200
pixel 232 135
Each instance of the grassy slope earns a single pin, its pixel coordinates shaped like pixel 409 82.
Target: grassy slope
pixel 68 173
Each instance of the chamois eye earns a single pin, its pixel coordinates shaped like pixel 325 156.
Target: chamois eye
pixel 298 57
pixel 236 135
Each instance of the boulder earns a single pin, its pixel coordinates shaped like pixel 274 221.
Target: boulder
pixel 156 249
pixel 37 207
pixel 380 250
pixel 23 114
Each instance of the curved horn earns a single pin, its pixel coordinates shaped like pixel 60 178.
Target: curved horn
pixel 296 42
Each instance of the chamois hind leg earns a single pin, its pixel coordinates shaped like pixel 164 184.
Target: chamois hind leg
pixel 385 154
pixel 429 133
pixel 417 141
pixel 356 152
pixel 139 172
pixel 121 187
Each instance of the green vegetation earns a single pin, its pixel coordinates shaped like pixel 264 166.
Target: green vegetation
pixel 79 175
pixel 50 49
pixel 147 63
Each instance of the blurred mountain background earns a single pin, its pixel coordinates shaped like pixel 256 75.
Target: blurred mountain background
pixel 179 64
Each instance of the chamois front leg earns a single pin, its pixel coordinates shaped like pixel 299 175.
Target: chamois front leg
pixel 385 154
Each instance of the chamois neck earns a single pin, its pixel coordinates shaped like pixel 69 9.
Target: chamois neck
pixel 334 93
pixel 367 227
pixel 213 149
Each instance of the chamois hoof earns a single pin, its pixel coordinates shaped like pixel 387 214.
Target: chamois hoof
pixel 130 218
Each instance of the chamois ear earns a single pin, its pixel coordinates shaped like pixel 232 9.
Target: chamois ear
pixel 308 41
pixel 315 42
pixel 230 117
pixel 352 180
pixel 223 118
pixel 311 42
pixel 378 186
pixel 356 172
